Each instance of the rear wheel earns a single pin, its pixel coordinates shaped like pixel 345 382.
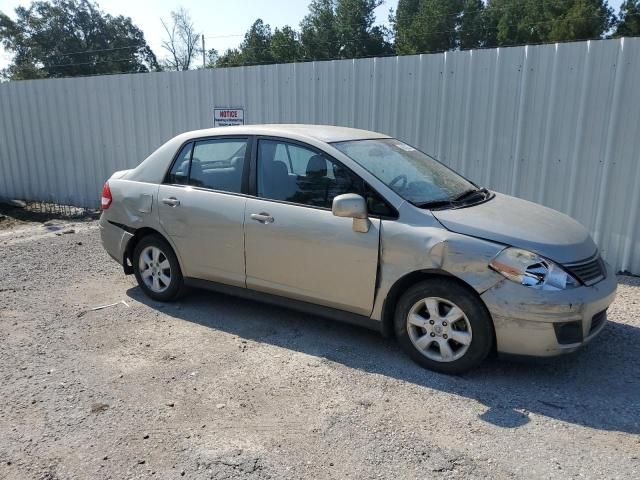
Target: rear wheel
pixel 443 326
pixel 157 269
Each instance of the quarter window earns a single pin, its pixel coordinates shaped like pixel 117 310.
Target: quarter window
pixel 218 164
pixel 179 173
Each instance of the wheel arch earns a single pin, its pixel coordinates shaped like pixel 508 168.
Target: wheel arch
pixel 139 234
pixel 410 279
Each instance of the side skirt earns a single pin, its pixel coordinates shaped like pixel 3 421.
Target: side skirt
pixel 306 307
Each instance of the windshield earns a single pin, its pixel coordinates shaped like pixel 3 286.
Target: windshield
pixel 413 175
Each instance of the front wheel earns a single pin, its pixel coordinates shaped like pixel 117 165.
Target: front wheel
pixel 157 269
pixel 443 326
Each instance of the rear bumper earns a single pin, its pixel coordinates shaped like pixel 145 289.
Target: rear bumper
pixel 539 323
pixel 114 239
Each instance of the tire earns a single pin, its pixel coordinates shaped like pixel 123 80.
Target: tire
pixel 424 336
pixel 160 278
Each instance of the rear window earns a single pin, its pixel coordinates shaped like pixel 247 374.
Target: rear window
pixel 216 164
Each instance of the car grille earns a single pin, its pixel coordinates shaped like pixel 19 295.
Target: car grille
pixel 597 320
pixel 588 272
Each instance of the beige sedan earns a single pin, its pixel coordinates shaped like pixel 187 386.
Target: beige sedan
pixel 361 227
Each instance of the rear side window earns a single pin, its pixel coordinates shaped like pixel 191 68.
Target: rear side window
pixel 179 173
pixel 218 164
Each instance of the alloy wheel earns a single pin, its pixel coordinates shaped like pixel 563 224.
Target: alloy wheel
pixel 439 329
pixel 155 269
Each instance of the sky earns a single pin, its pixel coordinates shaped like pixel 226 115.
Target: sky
pixel 223 22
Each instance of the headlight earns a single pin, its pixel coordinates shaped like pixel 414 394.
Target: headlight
pixel 532 270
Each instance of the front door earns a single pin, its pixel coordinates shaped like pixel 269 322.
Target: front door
pixel 294 245
pixel 202 210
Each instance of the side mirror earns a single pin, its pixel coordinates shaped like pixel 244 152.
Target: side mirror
pixel 351 205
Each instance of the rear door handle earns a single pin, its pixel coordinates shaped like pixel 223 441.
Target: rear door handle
pixel 262 217
pixel 171 201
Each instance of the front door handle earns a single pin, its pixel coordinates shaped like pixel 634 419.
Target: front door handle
pixel 262 217
pixel 171 201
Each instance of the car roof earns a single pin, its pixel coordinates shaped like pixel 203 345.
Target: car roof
pixel 154 167
pixel 323 133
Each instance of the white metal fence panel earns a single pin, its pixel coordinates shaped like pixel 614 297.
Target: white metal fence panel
pixel 557 124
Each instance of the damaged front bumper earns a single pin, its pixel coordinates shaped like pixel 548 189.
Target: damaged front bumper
pixel 541 323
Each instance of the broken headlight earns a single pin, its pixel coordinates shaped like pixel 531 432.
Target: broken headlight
pixel 532 270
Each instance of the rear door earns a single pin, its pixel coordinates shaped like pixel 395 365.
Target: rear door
pixel 294 245
pixel 201 208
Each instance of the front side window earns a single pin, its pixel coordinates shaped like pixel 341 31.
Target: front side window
pixel 298 158
pixel 297 174
pixel 218 164
pixel 413 175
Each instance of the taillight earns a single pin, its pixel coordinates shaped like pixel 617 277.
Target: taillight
pixel 105 201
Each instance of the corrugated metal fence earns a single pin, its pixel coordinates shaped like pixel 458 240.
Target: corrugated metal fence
pixel 557 124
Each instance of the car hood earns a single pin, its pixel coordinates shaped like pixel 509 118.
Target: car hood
pixel 522 224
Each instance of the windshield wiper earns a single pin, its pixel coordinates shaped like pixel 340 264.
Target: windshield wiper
pixel 454 202
pixel 469 193
pixel 435 205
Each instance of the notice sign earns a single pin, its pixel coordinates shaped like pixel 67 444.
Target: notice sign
pixel 227 117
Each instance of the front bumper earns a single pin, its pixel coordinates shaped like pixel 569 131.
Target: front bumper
pixel 543 323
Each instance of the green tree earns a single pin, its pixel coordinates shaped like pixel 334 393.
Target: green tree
pixel 428 25
pixel 212 57
pixel 629 23
pixel 580 20
pixel 230 58
pixel 66 38
pixel 343 29
pixel 285 46
pixel 355 31
pixel 511 22
pixel 256 47
pixel 319 35
pixel 331 29
pixel 402 22
pixel 472 31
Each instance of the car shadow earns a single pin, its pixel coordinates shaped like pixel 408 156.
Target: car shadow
pixel 597 387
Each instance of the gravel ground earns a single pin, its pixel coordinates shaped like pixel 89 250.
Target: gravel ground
pixel 215 387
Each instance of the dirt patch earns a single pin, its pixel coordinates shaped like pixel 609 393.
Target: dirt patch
pixel 35 213
pixel 216 387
